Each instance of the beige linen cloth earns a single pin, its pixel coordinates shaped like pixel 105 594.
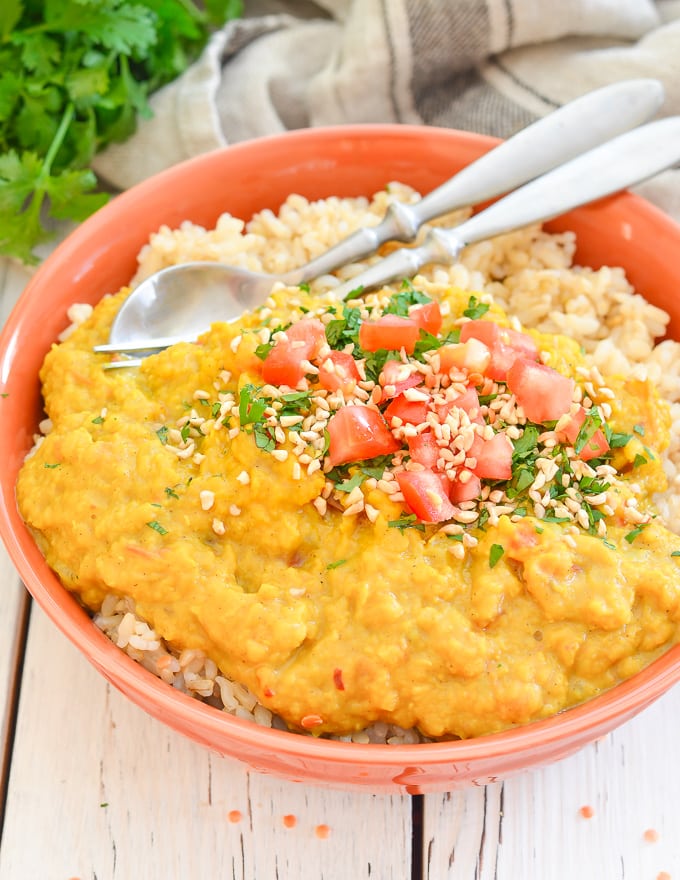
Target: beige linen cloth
pixel 490 66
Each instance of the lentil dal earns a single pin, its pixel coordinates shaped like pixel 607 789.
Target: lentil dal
pixel 225 532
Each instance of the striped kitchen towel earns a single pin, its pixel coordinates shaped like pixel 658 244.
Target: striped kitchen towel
pixel 490 66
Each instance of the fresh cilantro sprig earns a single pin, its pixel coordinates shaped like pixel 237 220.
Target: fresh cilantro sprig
pixel 75 75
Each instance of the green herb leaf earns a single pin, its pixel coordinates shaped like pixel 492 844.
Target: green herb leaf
pixel 337 564
pixel 264 438
pixel 162 434
pixel 349 485
pixel 495 553
pixel 250 407
pixel 408 296
pixel 157 527
pixel 633 534
pixel 591 423
pixel 475 309
pixel 406 521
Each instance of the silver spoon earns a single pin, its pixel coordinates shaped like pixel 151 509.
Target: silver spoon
pixel 180 302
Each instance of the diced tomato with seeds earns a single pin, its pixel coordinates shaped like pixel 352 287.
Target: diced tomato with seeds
pixel 467 401
pixel 283 364
pixel 544 394
pixel 391 332
pixel 424 449
pixel 473 355
pixel 505 345
pixel 311 331
pixel 465 491
pixel 596 445
pixel 397 375
pixel 425 495
pixel 412 411
pixel 428 317
pixel 493 457
pixel 338 372
pixel 357 433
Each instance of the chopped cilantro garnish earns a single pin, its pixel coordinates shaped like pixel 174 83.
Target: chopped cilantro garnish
pixel 337 564
pixel 351 484
pixel 495 554
pixel 170 492
pixel 264 437
pixel 250 408
pixel 162 434
pixel 98 420
pixel 639 430
pixel 185 430
pixel 376 360
pixel 675 553
pixel 408 296
pixel 591 423
pixel 616 440
pixel 52 464
pixel 429 342
pixel 355 293
pixel 639 460
pixel 157 527
pixel 475 309
pixel 406 521
pixel 525 445
pixel 633 534
pixel 608 544
pixel 344 330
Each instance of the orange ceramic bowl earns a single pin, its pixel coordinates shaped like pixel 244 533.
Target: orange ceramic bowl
pixel 99 257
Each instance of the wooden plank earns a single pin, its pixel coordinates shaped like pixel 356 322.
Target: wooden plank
pixel 14 603
pixel 13 597
pixel 109 792
pixel 532 826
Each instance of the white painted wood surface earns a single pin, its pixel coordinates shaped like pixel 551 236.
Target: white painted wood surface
pixel 98 789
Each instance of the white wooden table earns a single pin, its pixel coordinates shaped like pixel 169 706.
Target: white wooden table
pixel 94 789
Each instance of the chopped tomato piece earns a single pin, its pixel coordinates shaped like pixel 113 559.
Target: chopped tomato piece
pixel 494 457
pixel 412 411
pixel 424 449
pixel 473 355
pixel 426 496
pixel 391 332
pixel 505 345
pixel 465 491
pixel 338 372
pixel 427 316
pixel 467 401
pixel 399 376
pixel 543 393
pixel 311 331
pixel 283 364
pixel 594 447
pixel 357 433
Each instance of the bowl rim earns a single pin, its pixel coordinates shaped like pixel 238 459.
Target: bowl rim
pixel 629 697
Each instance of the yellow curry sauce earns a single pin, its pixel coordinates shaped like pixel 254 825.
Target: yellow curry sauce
pixel 181 485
